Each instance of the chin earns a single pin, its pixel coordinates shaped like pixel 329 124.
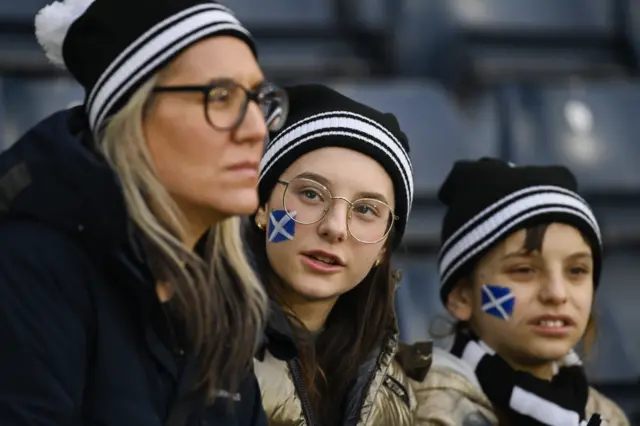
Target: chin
pixel 550 350
pixel 316 290
pixel 238 202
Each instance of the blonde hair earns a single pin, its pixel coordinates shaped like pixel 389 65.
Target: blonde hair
pixel 220 299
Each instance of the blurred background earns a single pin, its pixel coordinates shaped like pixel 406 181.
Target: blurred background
pixel 530 81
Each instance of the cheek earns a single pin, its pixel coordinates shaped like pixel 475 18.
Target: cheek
pixel 283 254
pixel 279 254
pixel 583 300
pixel 184 149
pixel 362 259
pixel 507 304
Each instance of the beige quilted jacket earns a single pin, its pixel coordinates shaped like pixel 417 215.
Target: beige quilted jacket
pixel 451 396
pixel 387 398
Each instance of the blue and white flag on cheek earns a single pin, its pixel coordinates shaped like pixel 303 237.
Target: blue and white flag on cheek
pixel 281 226
pixel 498 301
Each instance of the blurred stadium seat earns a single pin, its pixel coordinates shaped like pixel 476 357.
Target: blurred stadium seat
pixel 20 12
pixel 315 38
pixel 590 127
pixel 436 128
pixel 617 356
pixel 27 101
pixel 630 17
pixel 417 299
pixel 492 40
pixel 257 13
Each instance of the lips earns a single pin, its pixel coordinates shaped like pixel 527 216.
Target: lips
pixel 553 321
pixel 324 257
pixel 245 165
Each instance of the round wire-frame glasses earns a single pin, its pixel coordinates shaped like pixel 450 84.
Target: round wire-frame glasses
pixel 226 102
pixel 331 198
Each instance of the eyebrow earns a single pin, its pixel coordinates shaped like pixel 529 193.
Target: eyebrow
pixel 254 83
pixel 522 253
pixel 326 182
pixel 519 253
pixel 581 255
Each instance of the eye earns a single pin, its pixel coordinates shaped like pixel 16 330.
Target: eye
pixel 311 194
pixel 219 95
pixel 522 270
pixel 579 270
pixel 365 210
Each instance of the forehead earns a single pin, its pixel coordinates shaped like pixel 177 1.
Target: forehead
pixel 216 57
pixel 559 240
pixel 346 169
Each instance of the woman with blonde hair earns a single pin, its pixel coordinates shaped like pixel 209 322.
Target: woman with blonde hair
pixel 109 314
pixel 520 261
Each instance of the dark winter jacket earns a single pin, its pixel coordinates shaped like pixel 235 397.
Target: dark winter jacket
pixel 84 339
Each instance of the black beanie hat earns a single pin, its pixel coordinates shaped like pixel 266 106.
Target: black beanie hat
pixel 112 46
pixel 320 117
pixel 489 199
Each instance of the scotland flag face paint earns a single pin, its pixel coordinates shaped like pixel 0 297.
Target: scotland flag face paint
pixel 281 226
pixel 498 301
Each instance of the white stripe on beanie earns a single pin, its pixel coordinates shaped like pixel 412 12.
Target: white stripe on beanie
pixel 153 48
pixel 485 228
pixel 341 123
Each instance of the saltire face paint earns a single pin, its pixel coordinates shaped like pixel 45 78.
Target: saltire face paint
pixel 498 301
pixel 281 226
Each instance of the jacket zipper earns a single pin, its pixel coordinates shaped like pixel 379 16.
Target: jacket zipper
pixel 298 383
pixel 366 389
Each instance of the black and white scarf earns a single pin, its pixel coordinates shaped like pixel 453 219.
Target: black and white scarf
pixel 525 399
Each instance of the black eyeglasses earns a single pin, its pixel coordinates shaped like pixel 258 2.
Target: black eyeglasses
pixel 226 102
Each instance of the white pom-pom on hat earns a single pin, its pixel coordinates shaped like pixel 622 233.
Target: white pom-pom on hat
pixel 52 24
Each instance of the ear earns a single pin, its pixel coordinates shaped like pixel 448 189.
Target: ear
pixel 380 257
pixel 261 217
pixel 460 300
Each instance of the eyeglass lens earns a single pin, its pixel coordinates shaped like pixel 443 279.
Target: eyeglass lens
pixel 368 220
pixel 227 104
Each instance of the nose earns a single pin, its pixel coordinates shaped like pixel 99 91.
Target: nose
pixel 554 290
pixel 253 128
pixel 333 225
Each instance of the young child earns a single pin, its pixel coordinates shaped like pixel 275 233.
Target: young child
pixel 520 260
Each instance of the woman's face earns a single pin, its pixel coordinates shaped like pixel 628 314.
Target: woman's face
pixel 552 291
pixel 297 258
pixel 211 174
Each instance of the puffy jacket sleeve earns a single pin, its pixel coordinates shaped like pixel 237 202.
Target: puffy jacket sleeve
pixel 608 410
pixel 445 399
pixel 44 321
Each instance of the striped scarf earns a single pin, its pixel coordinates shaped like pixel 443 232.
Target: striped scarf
pixel 525 399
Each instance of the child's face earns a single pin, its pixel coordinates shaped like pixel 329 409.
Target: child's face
pixel 552 292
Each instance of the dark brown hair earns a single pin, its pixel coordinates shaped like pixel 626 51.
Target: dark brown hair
pixel 356 326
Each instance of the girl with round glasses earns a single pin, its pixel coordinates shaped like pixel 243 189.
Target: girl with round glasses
pixel 114 315
pixel 335 190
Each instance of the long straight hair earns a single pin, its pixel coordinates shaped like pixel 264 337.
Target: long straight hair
pixel 356 326
pixel 219 298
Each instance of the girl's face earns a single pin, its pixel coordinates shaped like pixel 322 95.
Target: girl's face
pixel 551 290
pixel 330 179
